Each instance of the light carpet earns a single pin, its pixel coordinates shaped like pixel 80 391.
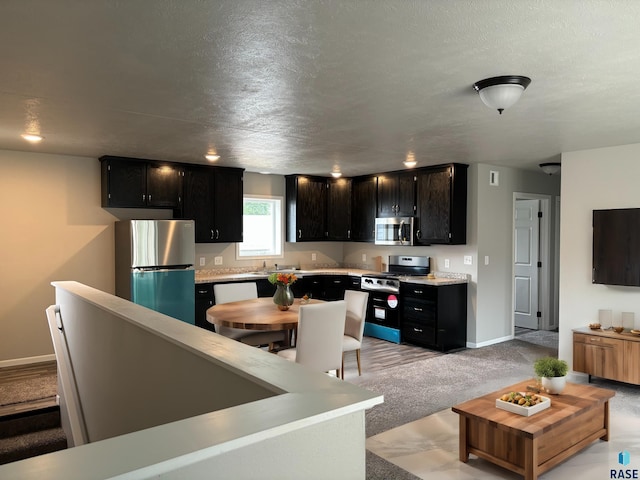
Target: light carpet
pixel 428 449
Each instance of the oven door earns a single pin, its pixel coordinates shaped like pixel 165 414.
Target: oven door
pixel 383 309
pixel 394 231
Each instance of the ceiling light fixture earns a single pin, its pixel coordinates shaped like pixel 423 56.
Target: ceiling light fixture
pixel 410 162
pixel 336 174
pixel 212 157
pixel 550 168
pixel 32 138
pixel 500 93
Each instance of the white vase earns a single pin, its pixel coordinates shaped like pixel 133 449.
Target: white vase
pixel 554 385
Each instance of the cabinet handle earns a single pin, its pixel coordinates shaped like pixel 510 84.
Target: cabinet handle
pixel 417 309
pixel 217 234
pixel 418 234
pixel 417 291
pixel 419 330
pixel 348 233
pixel 149 197
pixel 212 234
pixel 337 281
pixel 144 197
pixel 299 233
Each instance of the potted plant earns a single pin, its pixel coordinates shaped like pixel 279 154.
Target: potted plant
pixel 552 372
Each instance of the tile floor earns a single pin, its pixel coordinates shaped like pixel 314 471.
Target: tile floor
pixel 428 448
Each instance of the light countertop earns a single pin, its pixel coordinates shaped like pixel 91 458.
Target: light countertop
pixel 216 276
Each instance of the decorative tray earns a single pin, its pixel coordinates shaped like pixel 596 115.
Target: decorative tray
pixel 634 332
pixel 543 404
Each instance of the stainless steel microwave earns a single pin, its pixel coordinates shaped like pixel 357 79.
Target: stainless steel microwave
pixel 394 231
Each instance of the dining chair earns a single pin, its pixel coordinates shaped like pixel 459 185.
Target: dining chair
pixel 354 324
pixel 235 292
pixel 319 339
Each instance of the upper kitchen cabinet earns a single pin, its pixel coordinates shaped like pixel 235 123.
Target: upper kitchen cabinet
pixel 137 183
pixel 339 209
pixel 396 194
pixel 441 205
pixel 213 200
pixel 363 210
pixel 306 199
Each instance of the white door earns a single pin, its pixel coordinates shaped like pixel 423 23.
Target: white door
pixel 526 253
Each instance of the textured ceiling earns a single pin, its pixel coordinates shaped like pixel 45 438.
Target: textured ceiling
pixel 298 86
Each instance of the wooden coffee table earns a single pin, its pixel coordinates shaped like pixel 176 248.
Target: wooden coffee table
pixel 532 445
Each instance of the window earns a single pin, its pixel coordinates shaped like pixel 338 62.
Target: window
pixel 262 227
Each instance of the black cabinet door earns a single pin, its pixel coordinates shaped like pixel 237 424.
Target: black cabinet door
pixel 396 195
pixel 204 300
pixel 363 216
pixel 339 209
pixel 228 205
pixel 441 206
pixel 198 201
pixel 164 185
pixel 306 208
pixel 124 182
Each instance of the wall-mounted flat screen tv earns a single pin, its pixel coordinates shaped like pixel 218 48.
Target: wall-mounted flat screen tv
pixel 616 247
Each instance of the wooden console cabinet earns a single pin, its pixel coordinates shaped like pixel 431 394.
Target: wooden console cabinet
pixel 606 354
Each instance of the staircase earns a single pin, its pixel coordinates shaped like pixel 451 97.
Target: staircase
pixel 30 433
pixel 27 427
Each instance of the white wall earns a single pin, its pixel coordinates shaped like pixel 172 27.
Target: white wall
pixel 495 239
pixel 592 180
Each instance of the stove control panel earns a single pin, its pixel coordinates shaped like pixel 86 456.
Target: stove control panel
pixel 380 284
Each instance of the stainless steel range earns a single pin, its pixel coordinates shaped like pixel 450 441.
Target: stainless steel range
pixel 383 311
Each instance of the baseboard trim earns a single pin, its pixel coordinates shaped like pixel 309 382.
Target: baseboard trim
pixel 490 342
pixel 27 360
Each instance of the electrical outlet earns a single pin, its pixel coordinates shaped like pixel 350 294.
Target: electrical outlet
pixel 446 263
pixel 364 257
pixel 217 260
pixel 468 260
pixel 486 259
pixel 313 257
pixel 202 261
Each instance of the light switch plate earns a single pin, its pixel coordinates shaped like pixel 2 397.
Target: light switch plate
pixel 313 257
pixel 202 261
pixel 468 260
pixel 217 260
pixel 364 257
pixel 446 263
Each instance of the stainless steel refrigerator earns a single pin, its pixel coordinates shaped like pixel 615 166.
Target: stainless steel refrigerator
pixel 154 265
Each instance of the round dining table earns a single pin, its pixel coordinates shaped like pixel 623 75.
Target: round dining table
pixel 257 314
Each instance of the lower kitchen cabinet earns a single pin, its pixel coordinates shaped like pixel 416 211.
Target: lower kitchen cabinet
pixel 204 300
pixel 607 355
pixel 434 316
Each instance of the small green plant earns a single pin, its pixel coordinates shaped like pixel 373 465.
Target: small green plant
pixel 550 367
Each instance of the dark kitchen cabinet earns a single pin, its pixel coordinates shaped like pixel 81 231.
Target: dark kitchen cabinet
pixel 306 198
pixel 396 194
pixel 339 209
pixel 204 300
pixel 441 205
pixel 138 183
pixel 434 316
pixel 213 199
pixel 363 211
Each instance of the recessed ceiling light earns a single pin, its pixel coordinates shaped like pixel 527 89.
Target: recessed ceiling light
pixel 31 137
pixel 212 157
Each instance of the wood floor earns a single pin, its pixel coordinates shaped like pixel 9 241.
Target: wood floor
pixel 378 355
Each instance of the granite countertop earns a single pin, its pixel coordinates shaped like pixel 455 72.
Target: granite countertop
pixel 221 275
